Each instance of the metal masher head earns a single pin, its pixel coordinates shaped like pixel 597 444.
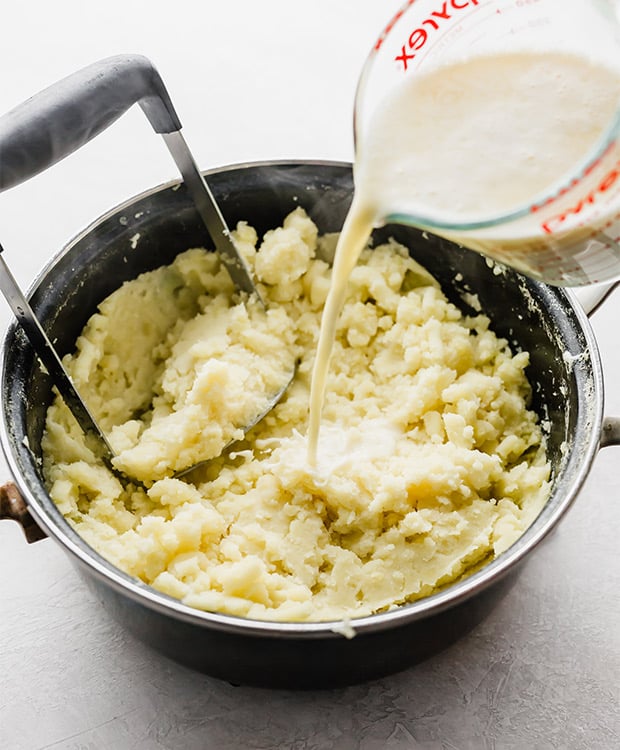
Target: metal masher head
pixel 56 122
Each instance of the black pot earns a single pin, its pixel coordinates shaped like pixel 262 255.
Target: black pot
pixel 565 371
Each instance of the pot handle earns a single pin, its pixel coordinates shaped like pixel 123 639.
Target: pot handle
pixel 592 297
pixel 63 117
pixel 13 506
pixel 610 434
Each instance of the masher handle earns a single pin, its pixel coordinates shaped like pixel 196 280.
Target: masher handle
pixel 57 121
pixel 63 117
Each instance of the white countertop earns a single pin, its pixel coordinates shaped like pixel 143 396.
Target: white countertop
pixel 255 80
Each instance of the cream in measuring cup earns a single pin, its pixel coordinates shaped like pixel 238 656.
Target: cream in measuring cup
pixel 507 146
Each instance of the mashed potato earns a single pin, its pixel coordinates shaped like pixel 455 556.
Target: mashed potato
pixel 429 463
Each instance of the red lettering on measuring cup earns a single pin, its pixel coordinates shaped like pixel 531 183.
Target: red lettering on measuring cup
pixel 419 36
pixel 575 181
pixel 538 206
pixel 418 39
pixel 609 180
pixel 403 57
pixel 443 13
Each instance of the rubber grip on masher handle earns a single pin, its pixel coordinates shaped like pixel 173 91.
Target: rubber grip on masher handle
pixel 63 117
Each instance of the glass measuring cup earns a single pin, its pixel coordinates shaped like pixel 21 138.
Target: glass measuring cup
pixel 547 204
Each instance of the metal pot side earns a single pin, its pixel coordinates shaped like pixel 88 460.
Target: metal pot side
pixel 565 373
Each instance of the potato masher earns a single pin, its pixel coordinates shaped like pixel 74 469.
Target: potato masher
pixel 59 120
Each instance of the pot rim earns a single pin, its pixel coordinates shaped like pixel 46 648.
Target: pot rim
pixel 452 595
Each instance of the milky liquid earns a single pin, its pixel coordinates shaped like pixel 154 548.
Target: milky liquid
pixel 473 140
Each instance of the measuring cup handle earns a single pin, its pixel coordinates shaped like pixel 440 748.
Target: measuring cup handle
pixel 60 119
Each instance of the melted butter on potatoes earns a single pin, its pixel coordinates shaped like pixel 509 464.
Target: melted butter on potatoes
pixel 430 462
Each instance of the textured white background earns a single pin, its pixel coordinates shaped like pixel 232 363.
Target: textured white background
pixel 259 80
